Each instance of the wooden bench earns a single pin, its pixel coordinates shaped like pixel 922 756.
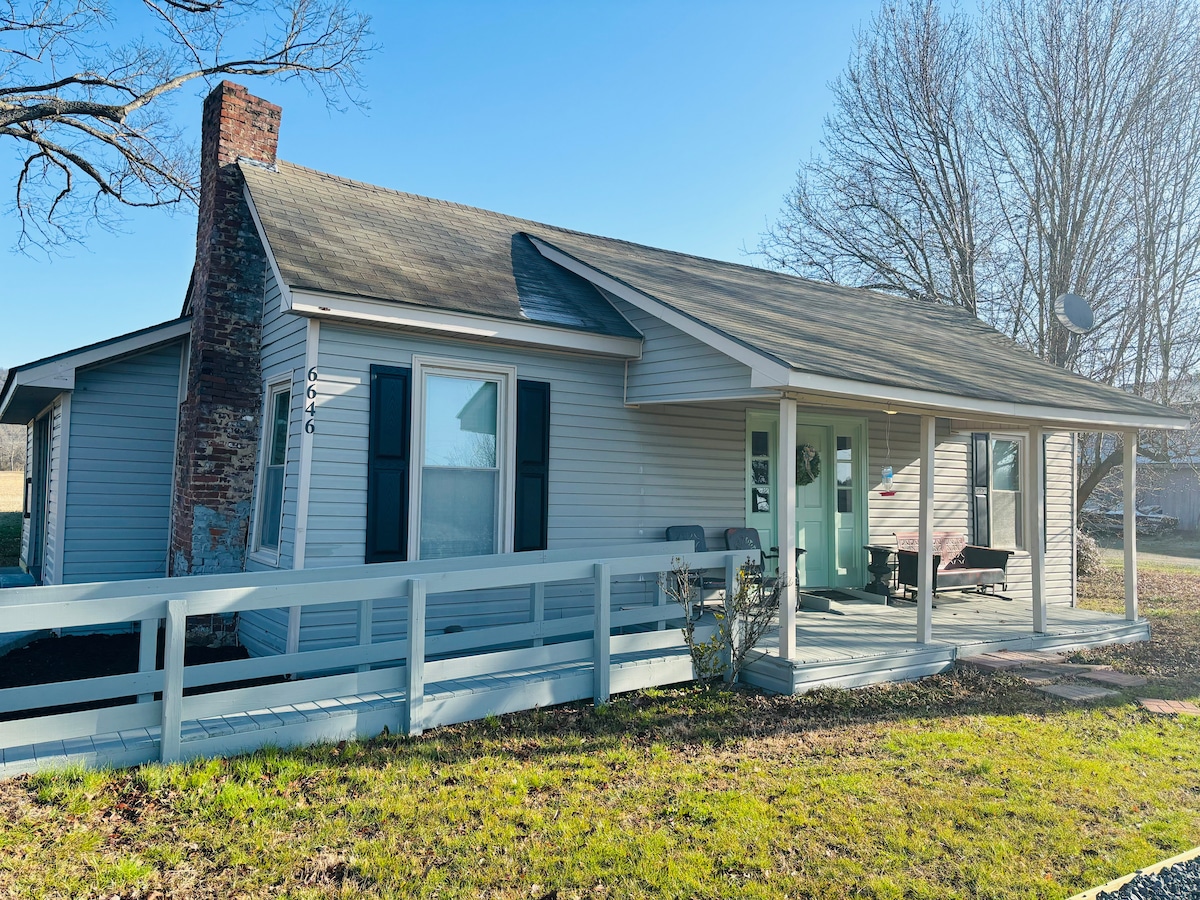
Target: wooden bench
pixel 957 565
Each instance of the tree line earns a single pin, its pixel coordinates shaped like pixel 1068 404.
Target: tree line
pixel 996 159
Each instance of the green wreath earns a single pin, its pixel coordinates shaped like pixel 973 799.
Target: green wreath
pixel 808 464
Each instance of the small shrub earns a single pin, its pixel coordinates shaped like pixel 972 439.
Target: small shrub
pixel 748 614
pixel 1088 560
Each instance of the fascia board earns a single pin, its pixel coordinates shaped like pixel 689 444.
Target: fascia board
pixel 964 407
pixel 765 367
pixel 464 325
pixel 285 291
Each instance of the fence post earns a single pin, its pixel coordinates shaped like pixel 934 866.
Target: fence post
pixel 537 609
pixel 601 634
pixel 732 586
pixel 366 630
pixel 660 600
pixel 147 652
pixel 415 666
pixel 172 695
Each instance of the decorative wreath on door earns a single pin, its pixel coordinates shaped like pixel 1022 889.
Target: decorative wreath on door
pixel 808 464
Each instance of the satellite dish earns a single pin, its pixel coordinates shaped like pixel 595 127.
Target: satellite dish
pixel 1075 313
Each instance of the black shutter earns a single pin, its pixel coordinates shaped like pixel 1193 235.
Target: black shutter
pixel 532 466
pixel 981 481
pixel 387 464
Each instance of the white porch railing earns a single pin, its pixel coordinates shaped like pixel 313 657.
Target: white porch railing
pixel 406 684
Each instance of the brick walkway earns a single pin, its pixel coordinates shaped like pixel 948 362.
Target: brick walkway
pixel 1169 707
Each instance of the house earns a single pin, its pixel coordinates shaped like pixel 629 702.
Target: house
pixel 363 375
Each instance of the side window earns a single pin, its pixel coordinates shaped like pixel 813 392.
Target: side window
pixel 270 499
pixel 1007 506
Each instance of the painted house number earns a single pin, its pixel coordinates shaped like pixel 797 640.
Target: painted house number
pixel 310 411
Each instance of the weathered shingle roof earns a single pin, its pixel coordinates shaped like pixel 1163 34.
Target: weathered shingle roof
pixel 334 235
pixel 849 333
pixel 346 237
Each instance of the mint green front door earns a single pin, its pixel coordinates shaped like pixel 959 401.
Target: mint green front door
pixel 830 514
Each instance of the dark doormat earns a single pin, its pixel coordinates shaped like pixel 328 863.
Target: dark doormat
pixel 831 594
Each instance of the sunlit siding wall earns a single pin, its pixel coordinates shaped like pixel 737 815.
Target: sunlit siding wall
pixel 283 348
pixel 50 561
pixel 120 467
pixel 617 474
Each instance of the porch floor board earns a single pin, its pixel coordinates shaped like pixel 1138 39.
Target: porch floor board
pixel 872 643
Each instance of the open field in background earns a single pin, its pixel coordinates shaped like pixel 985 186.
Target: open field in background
pixel 10 491
pixel 1175 548
pixel 961 785
pixel 11 484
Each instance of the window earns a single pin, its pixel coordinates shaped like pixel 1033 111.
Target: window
pixel 275 440
pixel 1007 524
pixel 464 479
pixel 999 507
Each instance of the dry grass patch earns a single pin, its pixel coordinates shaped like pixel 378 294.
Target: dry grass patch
pixel 11 484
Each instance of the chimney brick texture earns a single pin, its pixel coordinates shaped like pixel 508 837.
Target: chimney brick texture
pixel 219 418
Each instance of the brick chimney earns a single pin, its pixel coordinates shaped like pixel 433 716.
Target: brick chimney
pixel 219 418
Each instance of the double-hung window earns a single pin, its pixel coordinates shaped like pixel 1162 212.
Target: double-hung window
pixel 274 462
pixel 462 483
pixel 999 498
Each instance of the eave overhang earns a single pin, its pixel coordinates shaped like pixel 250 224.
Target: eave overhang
pixel 30 388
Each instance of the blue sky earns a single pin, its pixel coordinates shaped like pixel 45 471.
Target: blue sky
pixel 676 124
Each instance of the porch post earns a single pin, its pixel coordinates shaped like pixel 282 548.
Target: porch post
pixel 786 527
pixel 1035 490
pixel 925 529
pixel 1130 522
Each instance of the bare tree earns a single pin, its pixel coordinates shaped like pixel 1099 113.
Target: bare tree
pixel 995 162
pixel 12 442
pixel 84 92
pixel 893 203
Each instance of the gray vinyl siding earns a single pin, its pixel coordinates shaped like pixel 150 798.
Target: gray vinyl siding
pixel 675 366
pixel 283 349
pixel 617 474
pixel 50 562
pixel 120 468
pixel 284 341
pixel 26 521
pixel 1060 517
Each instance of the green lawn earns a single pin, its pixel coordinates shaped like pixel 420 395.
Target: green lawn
pixel 961 785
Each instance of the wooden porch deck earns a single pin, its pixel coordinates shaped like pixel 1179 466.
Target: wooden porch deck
pixel 870 643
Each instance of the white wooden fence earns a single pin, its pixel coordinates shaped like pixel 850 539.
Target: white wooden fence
pixel 422 681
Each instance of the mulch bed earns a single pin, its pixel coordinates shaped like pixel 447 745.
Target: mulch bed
pixel 75 657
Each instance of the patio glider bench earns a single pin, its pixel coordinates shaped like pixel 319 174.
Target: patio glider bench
pixel 957 565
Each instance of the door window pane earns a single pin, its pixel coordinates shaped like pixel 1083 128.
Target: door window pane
pixel 845 474
pixel 460 476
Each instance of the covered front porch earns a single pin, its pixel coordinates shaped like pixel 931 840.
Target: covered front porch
pixel 866 642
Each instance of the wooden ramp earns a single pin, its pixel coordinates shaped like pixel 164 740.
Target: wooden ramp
pixel 426 679
pixel 355 716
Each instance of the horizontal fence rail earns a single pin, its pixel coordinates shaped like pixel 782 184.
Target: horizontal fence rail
pixel 410 684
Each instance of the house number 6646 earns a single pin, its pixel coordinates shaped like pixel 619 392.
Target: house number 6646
pixel 310 410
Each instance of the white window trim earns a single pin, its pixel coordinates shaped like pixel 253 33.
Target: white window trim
pixel 1021 439
pixel 265 554
pixel 505 445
